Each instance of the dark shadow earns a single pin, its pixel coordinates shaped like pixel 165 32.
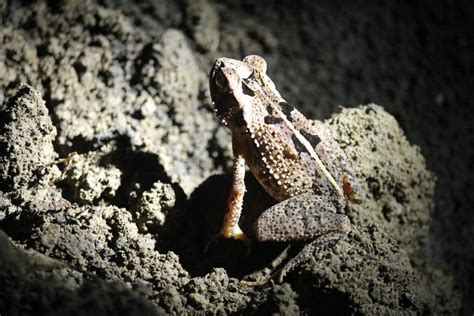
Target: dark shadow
pixel 139 169
pixel 21 232
pixel 188 232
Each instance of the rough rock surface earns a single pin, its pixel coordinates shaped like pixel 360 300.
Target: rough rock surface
pixel 397 184
pixel 87 230
pixel 24 163
pixel 114 183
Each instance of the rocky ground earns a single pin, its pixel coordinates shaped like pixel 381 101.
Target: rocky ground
pixel 115 172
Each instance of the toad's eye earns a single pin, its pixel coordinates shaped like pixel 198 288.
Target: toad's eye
pixel 221 81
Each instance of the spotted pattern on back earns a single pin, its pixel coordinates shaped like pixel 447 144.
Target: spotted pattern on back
pixel 329 151
pixel 273 133
pixel 280 162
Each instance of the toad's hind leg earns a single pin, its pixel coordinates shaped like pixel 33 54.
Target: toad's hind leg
pixel 303 217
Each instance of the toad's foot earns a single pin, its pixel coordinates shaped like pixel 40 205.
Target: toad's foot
pixel 236 234
pixel 278 261
pixel 307 252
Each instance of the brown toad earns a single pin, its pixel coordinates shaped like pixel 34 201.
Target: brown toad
pixel 297 162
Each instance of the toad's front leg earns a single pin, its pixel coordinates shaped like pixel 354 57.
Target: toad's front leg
pixel 303 217
pixel 230 228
